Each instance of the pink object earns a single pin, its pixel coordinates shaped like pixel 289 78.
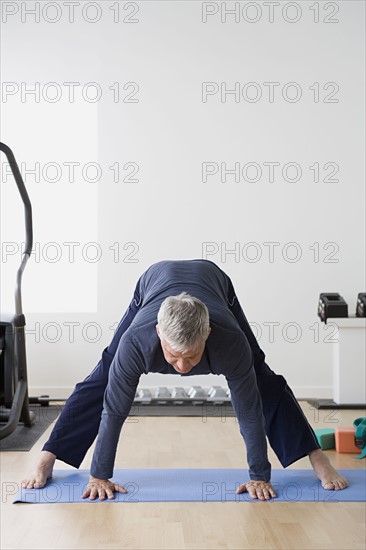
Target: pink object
pixel 345 440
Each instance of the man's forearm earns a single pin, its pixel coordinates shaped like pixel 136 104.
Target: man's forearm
pixel 248 409
pixel 252 429
pixel 106 446
pixel 123 380
pixel 257 456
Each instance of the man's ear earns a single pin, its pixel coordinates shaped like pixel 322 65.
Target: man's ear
pixel 157 330
pixel 209 330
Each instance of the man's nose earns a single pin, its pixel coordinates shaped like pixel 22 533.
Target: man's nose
pixel 182 364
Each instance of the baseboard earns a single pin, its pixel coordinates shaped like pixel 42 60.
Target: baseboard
pixel 309 392
pixel 54 392
pixel 301 392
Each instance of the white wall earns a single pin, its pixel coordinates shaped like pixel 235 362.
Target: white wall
pixel 165 135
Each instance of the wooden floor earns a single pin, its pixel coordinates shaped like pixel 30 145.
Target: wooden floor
pixel 166 442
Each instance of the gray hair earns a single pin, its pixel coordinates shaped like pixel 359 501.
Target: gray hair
pixel 183 321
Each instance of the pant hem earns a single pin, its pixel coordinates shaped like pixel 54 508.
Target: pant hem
pixel 74 464
pixel 295 458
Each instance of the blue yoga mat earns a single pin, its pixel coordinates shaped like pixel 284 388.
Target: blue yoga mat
pixel 195 485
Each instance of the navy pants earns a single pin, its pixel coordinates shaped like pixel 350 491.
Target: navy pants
pixel 288 431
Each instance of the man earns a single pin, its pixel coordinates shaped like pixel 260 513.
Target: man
pixel 184 318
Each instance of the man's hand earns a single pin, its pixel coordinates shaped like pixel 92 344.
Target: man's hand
pixel 102 488
pixel 257 489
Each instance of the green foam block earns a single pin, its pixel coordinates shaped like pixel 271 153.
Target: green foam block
pixel 326 438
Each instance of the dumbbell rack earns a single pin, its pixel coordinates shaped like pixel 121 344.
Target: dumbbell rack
pixel 193 401
pixel 179 396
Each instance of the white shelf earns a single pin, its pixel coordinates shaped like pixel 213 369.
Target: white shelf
pixel 348 322
pixel 349 360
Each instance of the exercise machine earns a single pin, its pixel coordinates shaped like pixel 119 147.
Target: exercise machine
pixel 14 402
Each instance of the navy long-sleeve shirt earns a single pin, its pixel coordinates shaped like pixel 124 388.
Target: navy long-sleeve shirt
pixel 227 352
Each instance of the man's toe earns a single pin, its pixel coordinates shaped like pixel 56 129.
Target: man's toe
pixel 342 483
pixel 335 485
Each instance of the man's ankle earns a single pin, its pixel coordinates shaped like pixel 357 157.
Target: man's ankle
pixel 47 456
pixel 315 452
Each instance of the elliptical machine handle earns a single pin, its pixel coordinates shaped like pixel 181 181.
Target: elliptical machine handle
pixel 28 222
pixel 23 193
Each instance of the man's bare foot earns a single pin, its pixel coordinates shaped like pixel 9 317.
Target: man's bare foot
pixel 42 471
pixel 328 476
